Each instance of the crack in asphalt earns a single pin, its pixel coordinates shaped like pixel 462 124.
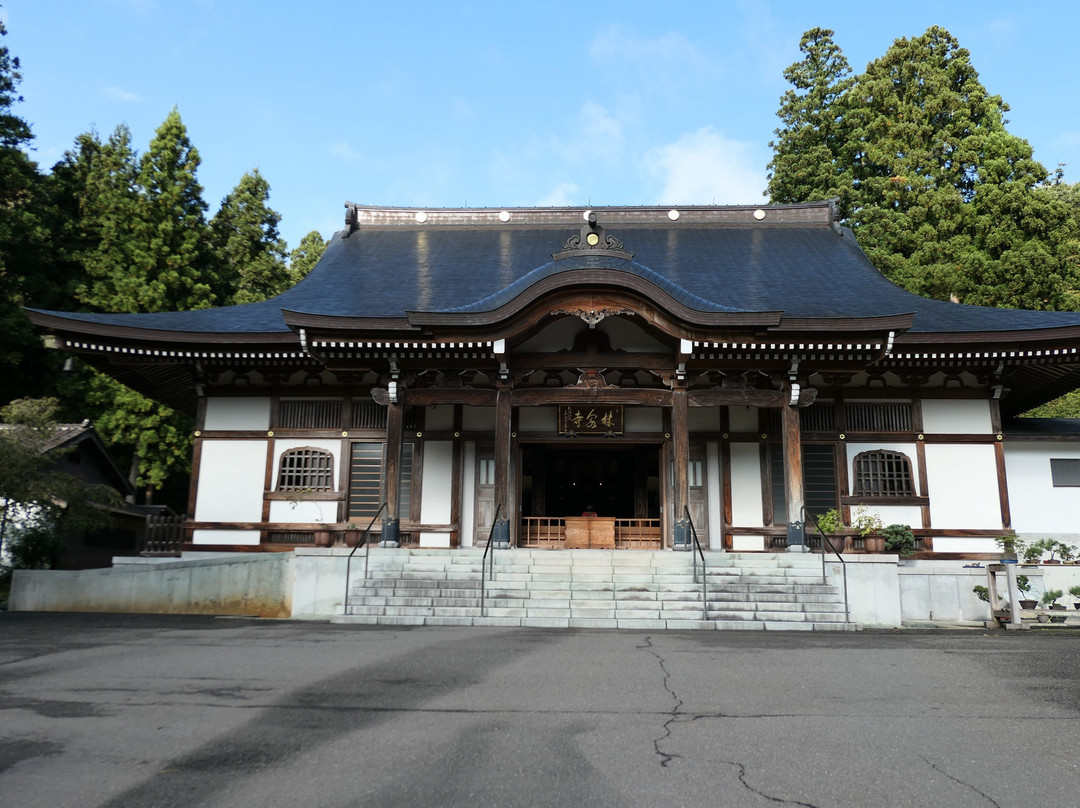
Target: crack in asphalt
pixel 673 714
pixel 779 800
pixel 940 770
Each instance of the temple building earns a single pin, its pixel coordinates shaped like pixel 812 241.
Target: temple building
pixel 713 372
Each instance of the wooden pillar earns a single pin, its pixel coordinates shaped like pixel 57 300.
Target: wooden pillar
pixel 503 422
pixel 394 421
pixel 999 459
pixel 680 442
pixel 793 474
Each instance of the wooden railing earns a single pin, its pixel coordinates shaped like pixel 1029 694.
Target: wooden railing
pixel 164 535
pixel 550 532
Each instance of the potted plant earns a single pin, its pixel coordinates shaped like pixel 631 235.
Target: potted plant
pixel 1075 592
pixel 1023 585
pixel 899 539
pixel 1033 553
pixel 1050 601
pixel 1066 552
pixel 831 523
pixel 1011 548
pixel 869 526
pixel 1002 613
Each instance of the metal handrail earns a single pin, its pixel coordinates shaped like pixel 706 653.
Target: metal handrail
pixel 825 539
pixel 483 561
pixel 704 572
pixel 367 552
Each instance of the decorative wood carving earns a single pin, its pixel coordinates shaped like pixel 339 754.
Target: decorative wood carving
pixel 593 379
pixel 591 317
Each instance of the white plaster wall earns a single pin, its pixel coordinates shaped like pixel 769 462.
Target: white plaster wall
pixel 743 419
pixel 438 474
pixel 230 485
pixel 538 419
pixel 716 495
pixel 747 544
pixel 910 515
pixel 236 414
pixel 1036 506
pixel 963 486
pixel 478 419
pixel 643 419
pixel 302 510
pixel 225 536
pixel 941 416
pixel 745 485
pixel 439 418
pixel 468 494
pixel 703 419
pixel 281 446
pixel 908 449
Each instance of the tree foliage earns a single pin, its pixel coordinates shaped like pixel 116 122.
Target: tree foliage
pixel 38 502
pixel 304 258
pixel 943 199
pixel 247 246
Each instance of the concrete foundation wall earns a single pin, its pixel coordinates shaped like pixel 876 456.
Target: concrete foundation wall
pixel 237 584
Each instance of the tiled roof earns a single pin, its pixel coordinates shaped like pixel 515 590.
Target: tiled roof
pixel 710 260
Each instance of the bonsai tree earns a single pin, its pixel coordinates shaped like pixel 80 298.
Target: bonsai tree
pixel 900 540
pixel 1023 586
pixel 1050 598
pixel 1033 553
pixel 1065 552
pixel 982 593
pixel 1075 592
pixel 1011 547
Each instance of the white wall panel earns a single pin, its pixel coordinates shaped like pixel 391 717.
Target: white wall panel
pixel 716 496
pixel 439 418
pixel 538 419
pixel 956 417
pixel 743 419
pixel 246 537
pixel 235 414
pixel 745 485
pixel 468 494
pixel 438 475
pixel 703 419
pixel 643 419
pixel 230 487
pixel 1036 506
pixel 963 486
pixel 478 419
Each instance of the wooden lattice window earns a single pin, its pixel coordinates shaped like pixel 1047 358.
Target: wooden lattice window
pixel 310 414
pixel 878 417
pixel 882 473
pixel 306 469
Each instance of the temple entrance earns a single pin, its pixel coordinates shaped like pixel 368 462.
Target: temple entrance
pixel 618 486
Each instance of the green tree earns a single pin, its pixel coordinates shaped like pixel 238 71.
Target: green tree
pixel 943 199
pixel 26 274
pixel 811 159
pixel 39 504
pixel 304 258
pixel 248 248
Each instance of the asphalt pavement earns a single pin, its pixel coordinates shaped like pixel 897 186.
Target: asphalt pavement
pixel 116 710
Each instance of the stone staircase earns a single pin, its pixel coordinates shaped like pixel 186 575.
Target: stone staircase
pixel 595 589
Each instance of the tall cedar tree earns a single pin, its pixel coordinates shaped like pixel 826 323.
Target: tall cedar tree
pixel 941 197
pixel 149 251
pixel 28 274
pixel 249 250
pixel 303 259
pixel 810 160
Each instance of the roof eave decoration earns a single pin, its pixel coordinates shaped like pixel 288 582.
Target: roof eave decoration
pixel 592 241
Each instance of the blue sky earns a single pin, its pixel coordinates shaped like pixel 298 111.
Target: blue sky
pixel 446 104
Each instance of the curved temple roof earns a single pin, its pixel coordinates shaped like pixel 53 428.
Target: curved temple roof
pixel 790 259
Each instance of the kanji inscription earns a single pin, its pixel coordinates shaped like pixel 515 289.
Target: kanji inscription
pixel 590 420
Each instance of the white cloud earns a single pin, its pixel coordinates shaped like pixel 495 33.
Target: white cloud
pixel 118 94
pixel 704 167
pixel 562 195
pixel 345 151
